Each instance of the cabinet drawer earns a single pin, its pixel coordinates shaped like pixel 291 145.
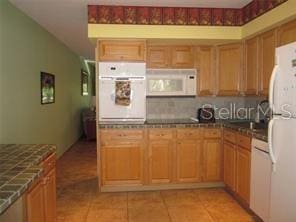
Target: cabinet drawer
pixel 165 134
pixel 244 141
pixel 212 133
pixel 48 163
pixel 115 134
pixel 189 134
pixel 230 136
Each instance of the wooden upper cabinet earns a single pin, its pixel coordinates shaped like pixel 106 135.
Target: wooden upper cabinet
pixel 206 70
pixel 267 44
pixel 158 56
pixel 189 161
pixel 129 50
pixel 182 57
pixel 165 56
pixel 229 69
pixel 251 67
pixel 287 33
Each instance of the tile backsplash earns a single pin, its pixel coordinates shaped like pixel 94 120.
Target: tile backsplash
pixel 186 107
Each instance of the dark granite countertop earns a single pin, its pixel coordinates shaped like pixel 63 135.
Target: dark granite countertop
pixel 18 169
pixel 159 123
pixel 187 123
pixel 260 134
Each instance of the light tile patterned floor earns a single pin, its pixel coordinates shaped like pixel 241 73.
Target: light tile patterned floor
pixel 79 201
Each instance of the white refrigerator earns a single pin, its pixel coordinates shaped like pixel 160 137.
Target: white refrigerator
pixel 282 135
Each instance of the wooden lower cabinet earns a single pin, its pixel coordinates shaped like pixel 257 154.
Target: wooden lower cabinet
pixel 41 197
pixel 243 173
pixel 122 162
pixel 212 160
pixel 159 157
pixel 160 161
pixel 237 163
pixel 189 160
pixel 36 204
pixel 229 165
pixel 49 191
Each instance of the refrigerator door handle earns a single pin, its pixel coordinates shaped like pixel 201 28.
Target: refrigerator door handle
pixel 270 131
pixel 271 87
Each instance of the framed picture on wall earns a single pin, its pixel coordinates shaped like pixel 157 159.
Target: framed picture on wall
pixel 84 83
pixel 47 88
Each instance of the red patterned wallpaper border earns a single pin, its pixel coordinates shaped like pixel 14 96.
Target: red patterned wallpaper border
pixel 142 15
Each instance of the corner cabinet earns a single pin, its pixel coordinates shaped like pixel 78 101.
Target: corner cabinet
pixel 205 64
pixel 229 69
pixel 125 50
pixel 267 45
pixel 251 66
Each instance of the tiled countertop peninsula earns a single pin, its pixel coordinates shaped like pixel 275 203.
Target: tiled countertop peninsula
pixel 18 169
pixel 186 123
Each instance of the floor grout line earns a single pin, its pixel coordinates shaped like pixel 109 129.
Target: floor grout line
pixel 127 211
pixel 166 207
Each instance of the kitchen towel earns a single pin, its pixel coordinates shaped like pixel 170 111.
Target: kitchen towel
pixel 123 93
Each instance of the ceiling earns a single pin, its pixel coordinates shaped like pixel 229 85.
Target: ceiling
pixel 67 19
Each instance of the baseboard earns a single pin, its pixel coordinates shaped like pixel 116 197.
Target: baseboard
pixel 126 188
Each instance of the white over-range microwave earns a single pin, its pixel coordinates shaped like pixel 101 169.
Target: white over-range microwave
pixel 171 82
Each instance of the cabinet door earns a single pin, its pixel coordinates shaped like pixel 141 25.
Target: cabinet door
pixel 287 33
pixel 212 160
pixel 189 163
pixel 206 70
pixel 122 162
pixel 251 71
pixel 158 56
pixel 229 165
pixel 160 161
pixel 243 173
pixel 49 190
pixel 229 69
pixel 113 50
pixel 182 57
pixel 267 43
pixel 35 204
